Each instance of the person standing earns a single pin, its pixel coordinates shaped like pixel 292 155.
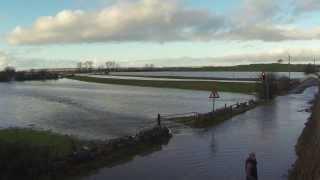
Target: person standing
pixel 251 167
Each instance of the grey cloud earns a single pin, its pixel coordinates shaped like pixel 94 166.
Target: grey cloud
pixel 272 56
pixel 271 33
pixel 166 21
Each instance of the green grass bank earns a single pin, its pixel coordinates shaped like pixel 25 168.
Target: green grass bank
pixel 271 67
pixel 28 154
pixel 247 88
pixel 219 116
pixel 42 155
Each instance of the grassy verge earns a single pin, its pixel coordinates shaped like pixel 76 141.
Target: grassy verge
pixel 273 67
pixel 28 154
pixel 60 145
pixel 185 77
pixel 247 88
pixel 209 119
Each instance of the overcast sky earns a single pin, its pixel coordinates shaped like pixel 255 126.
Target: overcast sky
pixel 59 33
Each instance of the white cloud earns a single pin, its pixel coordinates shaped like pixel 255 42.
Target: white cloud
pixel 144 20
pixel 168 20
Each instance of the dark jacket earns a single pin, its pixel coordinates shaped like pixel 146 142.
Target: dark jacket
pixel 253 171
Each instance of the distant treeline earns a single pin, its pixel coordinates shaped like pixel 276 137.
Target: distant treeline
pixel 10 74
pixel 274 67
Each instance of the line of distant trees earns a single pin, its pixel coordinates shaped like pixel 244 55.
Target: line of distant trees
pixel 10 74
pixel 88 67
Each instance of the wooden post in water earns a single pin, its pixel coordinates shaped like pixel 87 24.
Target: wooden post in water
pixel 159 119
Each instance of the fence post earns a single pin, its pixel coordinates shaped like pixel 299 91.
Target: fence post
pixel 159 119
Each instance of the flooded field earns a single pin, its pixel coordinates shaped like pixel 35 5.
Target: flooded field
pixel 208 74
pixel 95 111
pixel 219 152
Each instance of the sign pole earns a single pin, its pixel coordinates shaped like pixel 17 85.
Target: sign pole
pixel 213 104
pixel 214 95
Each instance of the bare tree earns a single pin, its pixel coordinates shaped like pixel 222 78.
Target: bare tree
pixel 149 66
pixel 280 61
pixel 111 66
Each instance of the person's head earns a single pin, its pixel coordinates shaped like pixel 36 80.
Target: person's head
pixel 252 155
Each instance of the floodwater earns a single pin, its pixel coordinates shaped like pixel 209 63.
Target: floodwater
pixel 219 153
pixel 209 74
pixel 96 111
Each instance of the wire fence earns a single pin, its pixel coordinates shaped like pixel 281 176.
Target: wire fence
pixel 168 120
pixel 220 111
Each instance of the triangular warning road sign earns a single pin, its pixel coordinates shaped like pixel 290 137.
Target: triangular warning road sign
pixel 214 94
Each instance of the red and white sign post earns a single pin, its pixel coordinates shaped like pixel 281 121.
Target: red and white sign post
pixel 214 95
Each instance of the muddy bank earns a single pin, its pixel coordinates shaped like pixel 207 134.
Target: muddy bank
pixel 307 165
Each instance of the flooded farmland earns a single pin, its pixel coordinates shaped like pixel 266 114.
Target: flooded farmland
pixel 96 111
pixel 219 152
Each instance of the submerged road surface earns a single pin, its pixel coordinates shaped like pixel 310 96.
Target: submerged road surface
pixel 219 153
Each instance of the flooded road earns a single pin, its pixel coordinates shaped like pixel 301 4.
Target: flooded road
pixel 96 111
pixel 219 152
